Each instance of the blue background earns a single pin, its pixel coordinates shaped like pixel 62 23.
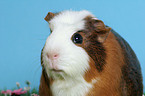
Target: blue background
pixel 23 32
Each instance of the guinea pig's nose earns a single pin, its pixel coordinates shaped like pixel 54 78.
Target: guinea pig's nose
pixel 53 56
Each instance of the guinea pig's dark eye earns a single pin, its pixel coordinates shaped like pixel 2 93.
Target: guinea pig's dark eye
pixel 77 38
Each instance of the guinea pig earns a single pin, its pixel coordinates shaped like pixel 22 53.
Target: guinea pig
pixel 84 57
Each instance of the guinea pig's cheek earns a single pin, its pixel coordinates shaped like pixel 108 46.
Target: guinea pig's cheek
pixel 46 61
pixel 78 62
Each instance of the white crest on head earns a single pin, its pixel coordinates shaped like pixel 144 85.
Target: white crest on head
pixel 70 18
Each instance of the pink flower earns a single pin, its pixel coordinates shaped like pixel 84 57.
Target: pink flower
pixel 19 92
pixel 6 92
pixel 16 92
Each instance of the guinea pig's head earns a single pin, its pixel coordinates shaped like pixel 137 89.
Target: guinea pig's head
pixel 76 38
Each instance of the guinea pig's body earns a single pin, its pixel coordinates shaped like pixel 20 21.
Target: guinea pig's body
pixel 83 57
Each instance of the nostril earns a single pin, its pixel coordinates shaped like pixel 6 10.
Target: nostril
pixel 52 56
pixel 55 56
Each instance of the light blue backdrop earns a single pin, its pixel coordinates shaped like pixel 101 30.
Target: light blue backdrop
pixel 23 32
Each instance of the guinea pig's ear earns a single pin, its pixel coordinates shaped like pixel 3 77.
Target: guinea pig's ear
pixel 49 16
pixel 102 30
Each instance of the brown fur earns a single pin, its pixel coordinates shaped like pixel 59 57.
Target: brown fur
pixel 109 79
pixel 113 64
pixel 49 16
pixel 92 43
pixel 110 57
pixel 104 56
pixel 44 88
pixel 131 72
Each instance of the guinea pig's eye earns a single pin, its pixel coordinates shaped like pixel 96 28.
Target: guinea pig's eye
pixel 77 38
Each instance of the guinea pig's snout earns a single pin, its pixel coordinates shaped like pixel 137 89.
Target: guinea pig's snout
pixel 52 56
pixel 53 60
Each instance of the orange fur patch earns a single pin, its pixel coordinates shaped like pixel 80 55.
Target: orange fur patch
pixel 109 79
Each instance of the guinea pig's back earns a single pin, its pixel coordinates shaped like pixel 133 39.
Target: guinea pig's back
pixel 131 71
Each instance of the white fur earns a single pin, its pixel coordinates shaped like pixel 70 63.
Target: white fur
pixel 70 87
pixel 73 60
pixel 70 18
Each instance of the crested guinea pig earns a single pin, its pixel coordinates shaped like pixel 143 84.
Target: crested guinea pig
pixel 84 57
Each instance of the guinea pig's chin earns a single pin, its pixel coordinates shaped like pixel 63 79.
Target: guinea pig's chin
pixel 63 72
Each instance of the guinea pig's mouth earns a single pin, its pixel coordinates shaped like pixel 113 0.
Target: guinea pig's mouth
pixel 55 70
